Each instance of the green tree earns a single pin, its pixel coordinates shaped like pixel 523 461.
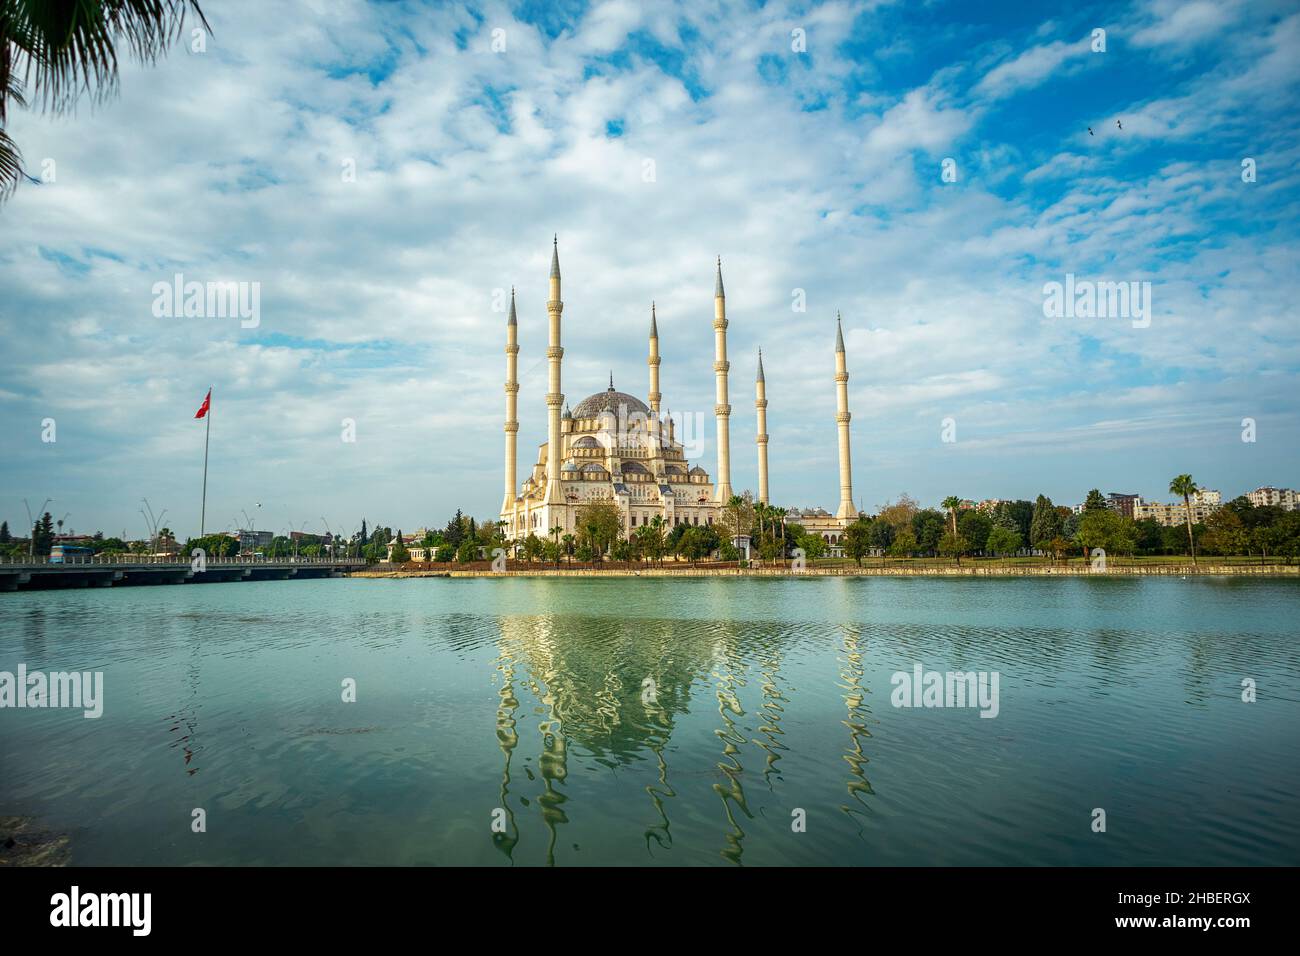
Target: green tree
pixel 857 540
pixel 927 528
pixel 975 526
pixel 1108 530
pixel 954 546
pixel 814 546
pixel 1225 533
pixel 534 548
pixel 1185 486
pixel 1002 540
pixel 1046 524
pixel 600 522
pixel 905 544
pixel 1094 501
pixel 694 544
pixel 399 554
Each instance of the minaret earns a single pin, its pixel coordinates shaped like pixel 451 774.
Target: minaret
pixel 653 362
pixel 760 403
pixel 846 510
pixel 512 406
pixel 722 410
pixel 554 397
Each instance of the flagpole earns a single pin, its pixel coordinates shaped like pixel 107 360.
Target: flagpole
pixel 203 511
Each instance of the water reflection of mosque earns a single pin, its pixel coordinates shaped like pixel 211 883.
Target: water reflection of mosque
pixel 617 688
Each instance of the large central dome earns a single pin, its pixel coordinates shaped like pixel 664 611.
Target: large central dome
pixel 609 401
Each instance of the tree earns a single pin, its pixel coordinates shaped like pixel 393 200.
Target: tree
pixel 951 504
pixel 814 546
pixel 1149 540
pixel 622 550
pixel 694 544
pixel 1225 533
pixel 927 528
pixel 1185 486
pixel 953 546
pixel 64 49
pixel 857 540
pixel 899 514
pixel 1094 501
pixel 1002 541
pixel 5 537
pixel 43 534
pixel 1108 530
pixel 399 554
pixel 905 544
pixel 1046 524
pixel 534 547
pixel 600 522
pixel 737 518
pixel 975 526
pixel 454 533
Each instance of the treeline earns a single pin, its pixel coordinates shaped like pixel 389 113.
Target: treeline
pixel 902 529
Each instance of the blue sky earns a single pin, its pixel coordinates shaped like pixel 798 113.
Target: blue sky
pixel 816 170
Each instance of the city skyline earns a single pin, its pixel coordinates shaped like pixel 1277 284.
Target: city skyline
pixel 381 295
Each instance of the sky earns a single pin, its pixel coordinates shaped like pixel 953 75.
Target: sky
pixel 383 174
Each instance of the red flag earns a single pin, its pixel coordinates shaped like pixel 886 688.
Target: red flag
pixel 207 404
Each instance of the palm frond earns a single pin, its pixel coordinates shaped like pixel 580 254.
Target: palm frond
pixel 11 166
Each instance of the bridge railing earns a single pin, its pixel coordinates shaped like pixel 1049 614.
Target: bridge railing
pixel 91 560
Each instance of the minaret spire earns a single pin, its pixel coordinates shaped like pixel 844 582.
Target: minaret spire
pixel 846 511
pixel 760 404
pixel 653 361
pixel 554 396
pixel 721 410
pixel 512 416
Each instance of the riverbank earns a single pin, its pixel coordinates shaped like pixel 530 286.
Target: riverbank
pixel 966 570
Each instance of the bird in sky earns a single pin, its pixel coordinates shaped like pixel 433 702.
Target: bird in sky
pixel 1119 124
pixel 1090 132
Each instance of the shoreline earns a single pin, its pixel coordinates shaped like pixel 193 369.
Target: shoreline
pixel 1205 570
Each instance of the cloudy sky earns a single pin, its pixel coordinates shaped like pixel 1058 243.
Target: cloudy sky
pixel 803 143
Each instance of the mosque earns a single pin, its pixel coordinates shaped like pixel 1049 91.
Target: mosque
pixel 616 447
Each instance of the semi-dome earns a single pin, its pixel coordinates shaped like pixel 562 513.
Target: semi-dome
pixel 593 406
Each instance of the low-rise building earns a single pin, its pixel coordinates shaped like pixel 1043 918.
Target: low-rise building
pixel 1123 503
pixel 1284 498
pixel 1175 513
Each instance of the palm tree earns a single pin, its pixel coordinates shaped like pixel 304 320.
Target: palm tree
pixel 568 546
pixel 952 503
pixel 1185 486
pixel 65 49
pixel 555 536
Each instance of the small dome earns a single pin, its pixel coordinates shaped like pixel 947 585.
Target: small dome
pixel 569 465
pixel 634 468
pixel 567 414
pixel 586 441
pixel 697 470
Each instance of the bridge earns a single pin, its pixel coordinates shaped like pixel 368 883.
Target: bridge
pixel 102 571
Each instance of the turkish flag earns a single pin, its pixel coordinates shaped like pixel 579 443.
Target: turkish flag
pixel 207 404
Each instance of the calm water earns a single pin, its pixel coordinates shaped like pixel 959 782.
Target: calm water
pixel 770 695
